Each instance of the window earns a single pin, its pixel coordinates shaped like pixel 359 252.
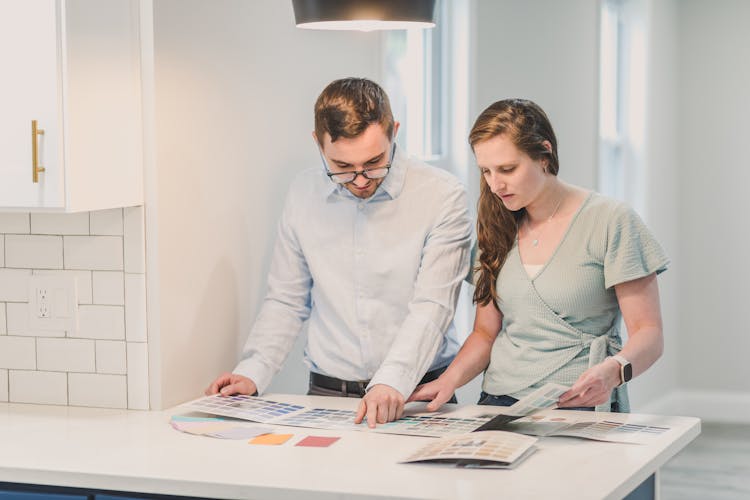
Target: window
pixel 622 104
pixel 425 73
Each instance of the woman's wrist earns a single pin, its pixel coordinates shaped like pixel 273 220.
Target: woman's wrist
pixel 613 371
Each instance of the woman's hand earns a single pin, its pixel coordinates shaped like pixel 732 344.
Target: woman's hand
pixel 594 386
pixel 437 392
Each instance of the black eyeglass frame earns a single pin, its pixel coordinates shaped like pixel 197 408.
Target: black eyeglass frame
pixel 357 173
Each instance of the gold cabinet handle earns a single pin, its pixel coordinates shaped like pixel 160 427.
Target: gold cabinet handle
pixel 35 167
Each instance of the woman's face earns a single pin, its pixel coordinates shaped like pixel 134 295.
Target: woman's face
pixel 510 173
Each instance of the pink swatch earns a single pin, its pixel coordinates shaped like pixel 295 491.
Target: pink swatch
pixel 318 441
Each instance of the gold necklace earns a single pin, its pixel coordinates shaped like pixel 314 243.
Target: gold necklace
pixel 533 234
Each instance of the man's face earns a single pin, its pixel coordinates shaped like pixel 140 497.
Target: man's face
pixel 370 149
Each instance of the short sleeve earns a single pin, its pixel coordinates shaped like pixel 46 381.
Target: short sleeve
pixel 632 250
pixel 473 275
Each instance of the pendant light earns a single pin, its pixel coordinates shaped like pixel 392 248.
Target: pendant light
pixel 364 15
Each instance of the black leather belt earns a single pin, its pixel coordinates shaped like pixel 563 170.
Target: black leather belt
pixel 346 387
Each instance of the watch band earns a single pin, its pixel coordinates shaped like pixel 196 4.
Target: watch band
pixel 626 369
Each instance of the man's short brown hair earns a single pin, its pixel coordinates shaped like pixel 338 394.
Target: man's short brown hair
pixel 348 106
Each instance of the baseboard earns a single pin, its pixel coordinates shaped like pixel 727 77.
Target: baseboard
pixel 727 407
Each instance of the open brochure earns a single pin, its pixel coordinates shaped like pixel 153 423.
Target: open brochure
pixel 424 424
pixel 586 427
pixel 486 449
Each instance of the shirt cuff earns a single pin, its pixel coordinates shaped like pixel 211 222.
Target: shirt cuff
pixel 256 372
pixel 397 378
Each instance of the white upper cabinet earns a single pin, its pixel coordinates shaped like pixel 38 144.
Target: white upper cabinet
pixel 72 67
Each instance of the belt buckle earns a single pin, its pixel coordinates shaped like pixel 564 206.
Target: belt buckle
pixel 362 385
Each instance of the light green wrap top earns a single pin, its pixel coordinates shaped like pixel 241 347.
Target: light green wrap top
pixel 566 318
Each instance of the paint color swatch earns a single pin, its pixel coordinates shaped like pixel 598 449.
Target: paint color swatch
pixel 271 439
pixel 317 441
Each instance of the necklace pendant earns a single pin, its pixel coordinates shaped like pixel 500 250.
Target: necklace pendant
pixel 535 242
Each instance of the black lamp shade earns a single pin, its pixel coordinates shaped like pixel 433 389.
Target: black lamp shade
pixel 364 14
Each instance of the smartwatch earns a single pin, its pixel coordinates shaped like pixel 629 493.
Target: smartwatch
pixel 626 369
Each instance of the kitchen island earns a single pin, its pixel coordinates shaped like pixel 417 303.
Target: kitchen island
pixel 90 451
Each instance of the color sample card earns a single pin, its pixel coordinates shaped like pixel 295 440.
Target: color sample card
pixel 417 425
pixel 542 398
pixel 271 439
pixel 318 441
pixel 245 407
pixel 322 418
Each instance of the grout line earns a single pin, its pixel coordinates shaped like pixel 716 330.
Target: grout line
pixel 127 378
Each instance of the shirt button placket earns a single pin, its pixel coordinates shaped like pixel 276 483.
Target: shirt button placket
pixel 360 274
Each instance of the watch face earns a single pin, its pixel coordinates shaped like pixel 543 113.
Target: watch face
pixel 627 372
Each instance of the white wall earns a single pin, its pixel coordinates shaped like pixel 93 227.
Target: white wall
pixel 714 175
pixel 546 51
pixel 661 208
pixel 235 87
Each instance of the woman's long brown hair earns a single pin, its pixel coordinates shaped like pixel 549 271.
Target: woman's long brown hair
pixel 528 127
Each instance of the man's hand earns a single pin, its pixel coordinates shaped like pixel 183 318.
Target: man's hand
pixel 381 404
pixel 594 385
pixel 228 384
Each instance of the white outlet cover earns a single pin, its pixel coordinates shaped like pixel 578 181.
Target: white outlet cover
pixel 57 296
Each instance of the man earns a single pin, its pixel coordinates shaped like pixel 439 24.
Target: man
pixel 371 251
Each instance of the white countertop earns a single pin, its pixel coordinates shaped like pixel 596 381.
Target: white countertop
pixel 139 451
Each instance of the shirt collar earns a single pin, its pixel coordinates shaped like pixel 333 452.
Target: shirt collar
pixel 392 185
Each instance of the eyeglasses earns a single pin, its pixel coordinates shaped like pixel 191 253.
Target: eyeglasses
pixel 372 173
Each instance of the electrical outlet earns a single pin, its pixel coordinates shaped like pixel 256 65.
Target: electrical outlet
pixel 53 302
pixel 42 302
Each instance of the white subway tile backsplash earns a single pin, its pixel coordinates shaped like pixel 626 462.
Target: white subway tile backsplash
pixel 14 285
pixel 3 385
pixel 109 391
pixel 60 223
pixel 83 282
pixel 108 287
pixel 17 353
pixel 33 251
pixel 17 223
pixel 135 249
pixel 110 357
pixel 65 355
pixel 49 388
pixel 135 307
pixel 138 396
pixel 98 253
pixel 18 322
pixel 101 322
pixel 107 222
pixel 94 366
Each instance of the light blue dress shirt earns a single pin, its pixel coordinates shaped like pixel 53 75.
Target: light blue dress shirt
pixel 377 279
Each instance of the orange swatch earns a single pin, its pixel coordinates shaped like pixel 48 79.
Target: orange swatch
pixel 271 439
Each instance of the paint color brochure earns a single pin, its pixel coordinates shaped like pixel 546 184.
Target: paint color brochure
pixel 558 424
pixel 273 412
pixel 485 449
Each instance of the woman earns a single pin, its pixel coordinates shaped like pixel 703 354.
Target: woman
pixel 558 267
